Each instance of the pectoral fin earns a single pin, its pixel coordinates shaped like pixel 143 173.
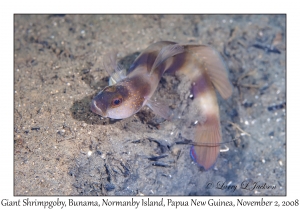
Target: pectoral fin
pixel 160 108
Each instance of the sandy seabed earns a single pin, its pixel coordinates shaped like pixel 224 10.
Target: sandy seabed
pixel 62 148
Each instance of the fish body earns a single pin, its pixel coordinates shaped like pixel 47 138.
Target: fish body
pixel 201 64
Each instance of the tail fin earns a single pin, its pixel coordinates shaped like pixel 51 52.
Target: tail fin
pixel 208 136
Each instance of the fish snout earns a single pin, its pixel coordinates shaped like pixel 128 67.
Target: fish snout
pixel 97 108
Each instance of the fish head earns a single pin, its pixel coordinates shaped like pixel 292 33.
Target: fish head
pixel 116 102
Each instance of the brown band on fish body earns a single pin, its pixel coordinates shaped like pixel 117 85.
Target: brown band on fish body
pixel 123 90
pixel 144 59
pixel 160 69
pixel 201 85
pixel 147 57
pixel 150 60
pixel 175 63
pixel 141 60
pixel 140 84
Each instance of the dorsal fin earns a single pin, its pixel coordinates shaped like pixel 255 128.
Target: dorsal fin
pixel 148 56
pixel 215 68
pixel 115 70
pixel 165 53
pixel 117 76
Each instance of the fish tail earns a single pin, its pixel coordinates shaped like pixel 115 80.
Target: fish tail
pixel 208 133
pixel 212 74
pixel 207 138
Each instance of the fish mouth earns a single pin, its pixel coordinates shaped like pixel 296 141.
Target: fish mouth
pixel 96 109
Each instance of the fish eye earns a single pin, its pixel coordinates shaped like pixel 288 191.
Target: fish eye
pixel 116 102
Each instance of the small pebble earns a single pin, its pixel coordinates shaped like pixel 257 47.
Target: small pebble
pixel 109 187
pixel 175 150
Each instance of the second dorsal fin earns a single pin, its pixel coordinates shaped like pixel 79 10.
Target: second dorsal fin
pixel 215 68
